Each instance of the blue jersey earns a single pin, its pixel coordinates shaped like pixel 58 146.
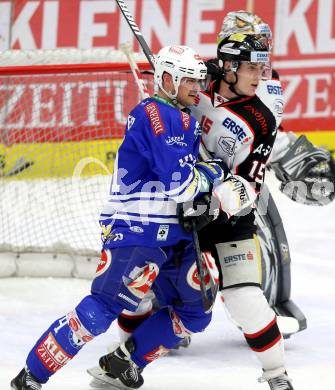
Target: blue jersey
pixel 153 172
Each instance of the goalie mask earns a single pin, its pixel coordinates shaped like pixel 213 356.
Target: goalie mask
pixel 246 23
pixel 179 62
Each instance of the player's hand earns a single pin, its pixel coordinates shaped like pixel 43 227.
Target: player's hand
pixel 203 211
pixel 236 196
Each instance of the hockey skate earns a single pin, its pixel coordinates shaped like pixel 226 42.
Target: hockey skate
pixel 118 371
pixel 25 381
pixel 184 343
pixel 280 382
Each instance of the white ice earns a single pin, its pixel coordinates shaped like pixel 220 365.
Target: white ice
pixel 216 359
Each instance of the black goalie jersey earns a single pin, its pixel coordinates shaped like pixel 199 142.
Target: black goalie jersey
pixel 241 132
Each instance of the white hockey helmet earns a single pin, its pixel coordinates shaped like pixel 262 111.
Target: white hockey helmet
pixel 246 23
pixel 179 62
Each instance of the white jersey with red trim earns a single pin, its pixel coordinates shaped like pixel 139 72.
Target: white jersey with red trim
pixel 241 132
pixel 271 94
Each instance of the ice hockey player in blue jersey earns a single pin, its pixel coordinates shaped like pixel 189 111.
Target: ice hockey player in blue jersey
pixel 144 245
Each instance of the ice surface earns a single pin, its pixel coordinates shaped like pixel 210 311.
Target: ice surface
pixel 216 359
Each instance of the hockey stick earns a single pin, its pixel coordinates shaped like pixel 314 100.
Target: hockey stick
pixel 126 48
pixel 207 301
pixel 136 31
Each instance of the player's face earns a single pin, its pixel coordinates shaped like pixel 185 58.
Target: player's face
pixel 187 91
pixel 249 76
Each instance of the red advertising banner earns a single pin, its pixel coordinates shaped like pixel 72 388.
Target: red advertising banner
pixel 66 107
pixel 303 50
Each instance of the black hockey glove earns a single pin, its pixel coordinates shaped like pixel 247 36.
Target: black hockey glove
pixel 307 173
pixel 203 210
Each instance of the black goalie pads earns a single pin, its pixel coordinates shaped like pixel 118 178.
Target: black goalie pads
pixel 307 173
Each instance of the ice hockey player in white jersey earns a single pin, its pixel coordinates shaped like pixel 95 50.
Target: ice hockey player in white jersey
pixel 307 173
pixel 242 140
pixel 317 169
pixel 240 129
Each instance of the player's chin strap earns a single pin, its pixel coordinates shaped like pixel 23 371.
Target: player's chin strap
pixel 216 70
pixel 232 85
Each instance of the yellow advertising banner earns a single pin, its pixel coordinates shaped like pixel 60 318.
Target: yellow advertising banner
pixel 42 160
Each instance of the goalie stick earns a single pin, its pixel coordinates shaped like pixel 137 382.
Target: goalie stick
pixel 207 301
pixel 126 48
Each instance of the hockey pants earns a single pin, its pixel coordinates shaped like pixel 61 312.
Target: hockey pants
pixel 123 277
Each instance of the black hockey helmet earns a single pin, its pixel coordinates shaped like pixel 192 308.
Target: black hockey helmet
pixel 239 47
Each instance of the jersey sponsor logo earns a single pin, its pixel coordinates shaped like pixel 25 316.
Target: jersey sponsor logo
pixel 163 231
pixel 136 229
pixel 127 299
pixel 51 354
pixel 278 107
pixel 234 128
pixel 176 140
pixel 228 145
pixel 130 121
pixel 250 256
pixel 189 160
pixel 197 130
pixel 238 257
pixel 156 122
pixel 156 353
pixel 259 118
pixel 274 89
pixel 79 335
pixel 112 237
pixel 192 277
pixel 186 120
pixel 105 231
pixel 144 280
pixel 105 262
pixel 179 328
pixel 263 149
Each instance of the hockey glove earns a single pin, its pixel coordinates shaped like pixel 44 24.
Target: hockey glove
pixel 203 211
pixel 205 208
pixel 236 196
pixel 307 173
pixel 215 170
